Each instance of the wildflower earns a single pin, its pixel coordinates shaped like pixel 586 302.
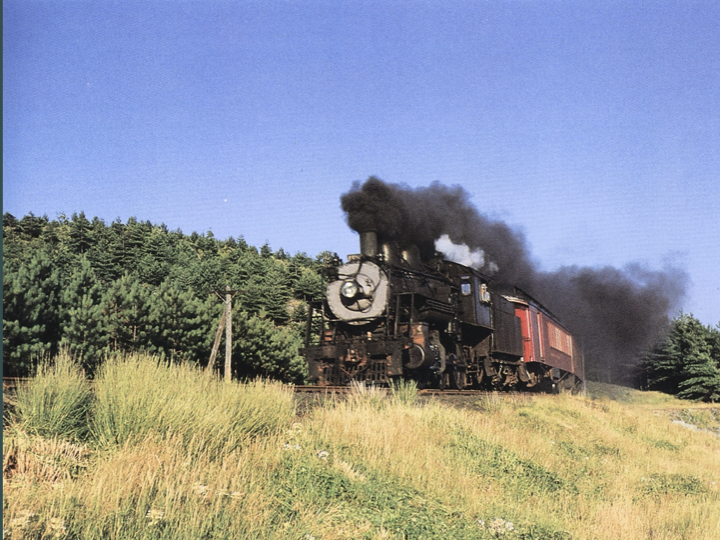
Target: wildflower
pixel 322 454
pixel 288 446
pixel 155 516
pixel 499 526
pixel 309 537
pixel 481 523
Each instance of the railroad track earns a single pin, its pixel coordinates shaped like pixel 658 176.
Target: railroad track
pixel 341 390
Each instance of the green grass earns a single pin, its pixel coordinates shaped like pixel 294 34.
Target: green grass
pixel 630 396
pixel 171 453
pixel 137 397
pixel 57 401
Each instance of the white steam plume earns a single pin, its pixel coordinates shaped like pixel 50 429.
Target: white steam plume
pixel 460 253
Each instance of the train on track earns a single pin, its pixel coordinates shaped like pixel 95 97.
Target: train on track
pixel 389 316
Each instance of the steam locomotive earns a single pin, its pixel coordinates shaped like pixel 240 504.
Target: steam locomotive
pixel 388 316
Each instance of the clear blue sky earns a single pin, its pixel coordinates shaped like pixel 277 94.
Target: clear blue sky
pixel 594 127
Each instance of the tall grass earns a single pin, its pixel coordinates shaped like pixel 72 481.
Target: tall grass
pixel 57 401
pixel 138 397
pixel 405 392
pixel 180 454
pixel 172 464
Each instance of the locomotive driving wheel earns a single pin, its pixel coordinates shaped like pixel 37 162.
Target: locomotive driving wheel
pixel 458 373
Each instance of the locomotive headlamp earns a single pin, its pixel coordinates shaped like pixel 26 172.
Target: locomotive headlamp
pixel 349 289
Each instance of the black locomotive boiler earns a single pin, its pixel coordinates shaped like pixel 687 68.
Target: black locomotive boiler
pixel 388 316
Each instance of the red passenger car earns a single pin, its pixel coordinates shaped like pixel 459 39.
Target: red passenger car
pixel 547 346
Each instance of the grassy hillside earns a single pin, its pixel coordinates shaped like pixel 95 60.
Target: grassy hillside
pixel 166 452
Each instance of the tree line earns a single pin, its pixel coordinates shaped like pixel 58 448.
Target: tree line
pixel 686 362
pixel 98 290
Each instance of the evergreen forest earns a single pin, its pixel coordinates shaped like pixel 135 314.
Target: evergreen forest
pixel 97 290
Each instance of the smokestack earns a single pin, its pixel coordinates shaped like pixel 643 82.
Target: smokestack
pixel 369 243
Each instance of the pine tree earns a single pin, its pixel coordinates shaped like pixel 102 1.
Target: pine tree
pixel 12 243
pixel 98 289
pixel 275 285
pixel 80 234
pixel 260 349
pixel 180 325
pixel 700 373
pixel 125 310
pixel 31 226
pixel 83 331
pixel 117 250
pixel 686 362
pixel 30 312
pixel 662 364
pixel 309 284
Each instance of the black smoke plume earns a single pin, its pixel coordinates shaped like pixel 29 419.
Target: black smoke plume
pixel 617 314
pixel 421 216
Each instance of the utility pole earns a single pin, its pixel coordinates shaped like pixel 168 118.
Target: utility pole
pixel 225 320
pixel 216 343
pixel 228 333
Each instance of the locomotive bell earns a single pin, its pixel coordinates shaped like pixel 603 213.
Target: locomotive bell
pixel 412 256
pixel 391 252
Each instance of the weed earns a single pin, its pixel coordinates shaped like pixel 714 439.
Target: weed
pixel 362 394
pixel 40 459
pixel 404 392
pixel 369 499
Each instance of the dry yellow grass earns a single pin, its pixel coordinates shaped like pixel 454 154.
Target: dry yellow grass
pixel 637 475
pixel 375 466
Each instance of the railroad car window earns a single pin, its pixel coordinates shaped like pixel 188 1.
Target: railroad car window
pixel 484 294
pixel 559 339
pixel 465 289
